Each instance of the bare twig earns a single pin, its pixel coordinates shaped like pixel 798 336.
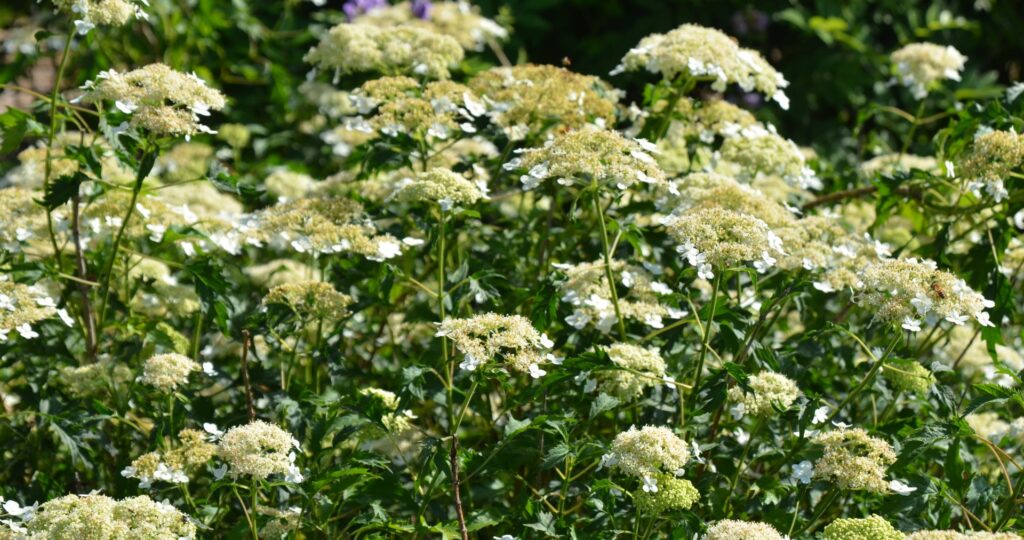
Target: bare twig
pixel 456 490
pixel 854 193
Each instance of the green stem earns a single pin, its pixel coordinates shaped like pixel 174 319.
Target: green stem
pixel 823 506
pixel 609 273
pixel 910 134
pixel 739 467
pixel 254 500
pixel 706 338
pixel 146 165
pixel 796 512
pixel 879 362
pixel 248 516
pixel 49 144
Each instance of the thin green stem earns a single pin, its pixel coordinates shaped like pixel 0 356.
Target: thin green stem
pixel 609 273
pixel 879 362
pixel 49 145
pixel 707 335
pixel 910 134
pixel 149 157
pixel 740 465
pixel 826 502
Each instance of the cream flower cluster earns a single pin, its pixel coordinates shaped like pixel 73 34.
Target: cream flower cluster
pixel 909 291
pixel 586 290
pixel 99 516
pixel 167 371
pixel 311 225
pixel 764 152
pixel 442 186
pixel 398 50
pixel 971 357
pixel 706 53
pixel 460 20
pixel 646 452
pixel 89 14
pixel 191 452
pixel 314 300
pixel 93 380
pixel 279 272
pixel 920 66
pixel 731 529
pixel 717 238
pixel 870 528
pixel 259 449
pixel 158 98
pixel 289 185
pixel 433 111
pixel 639 368
pixel 993 156
pixel 767 391
pixel 710 189
pixel 490 336
pixel 585 156
pixel 530 98
pixel 892 163
pixel 21 306
pixel 854 460
pixel 22 221
pixel 394 421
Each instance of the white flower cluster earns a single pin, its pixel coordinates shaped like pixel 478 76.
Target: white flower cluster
pixel 706 53
pixel 920 66
pixel 158 98
pixel 512 338
pixel 91 13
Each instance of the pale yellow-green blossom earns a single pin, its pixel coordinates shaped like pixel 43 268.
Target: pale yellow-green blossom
pixel 586 290
pixel 768 390
pixel 908 291
pixel 870 528
pixel 289 185
pixel 319 225
pixel 854 460
pixel 672 494
pixel 311 300
pixel 908 376
pixel 639 368
pixel 168 371
pixel 89 13
pixel 397 50
pixel 989 162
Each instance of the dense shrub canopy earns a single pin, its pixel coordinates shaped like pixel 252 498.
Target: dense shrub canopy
pixel 304 270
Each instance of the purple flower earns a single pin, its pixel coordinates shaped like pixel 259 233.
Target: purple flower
pixel 421 8
pixel 355 8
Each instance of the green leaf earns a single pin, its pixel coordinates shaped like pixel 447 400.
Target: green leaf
pixel 603 403
pixel 61 190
